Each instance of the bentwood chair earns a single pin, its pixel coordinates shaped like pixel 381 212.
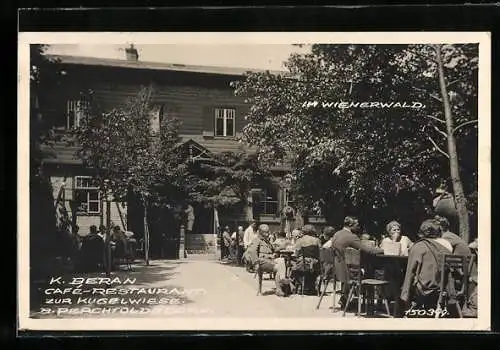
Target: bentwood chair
pixel 327 273
pixel 453 287
pixel 258 272
pixel 360 287
pixel 122 256
pixel 307 266
pixel 351 264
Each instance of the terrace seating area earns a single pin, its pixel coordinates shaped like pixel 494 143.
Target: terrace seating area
pixel 366 277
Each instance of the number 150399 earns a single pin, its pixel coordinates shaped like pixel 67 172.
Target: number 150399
pixel 426 313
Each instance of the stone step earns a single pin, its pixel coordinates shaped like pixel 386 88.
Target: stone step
pixel 198 256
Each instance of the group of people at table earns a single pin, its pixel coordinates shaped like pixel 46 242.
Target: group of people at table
pixel 417 286
pixel 91 252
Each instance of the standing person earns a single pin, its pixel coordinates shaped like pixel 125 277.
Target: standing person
pixel 459 245
pixel 189 211
pixel 249 237
pixel 288 218
pixel 226 243
pixel 348 237
pixel 237 237
pixel 233 247
pixel 394 234
pixel 250 234
pixel 423 272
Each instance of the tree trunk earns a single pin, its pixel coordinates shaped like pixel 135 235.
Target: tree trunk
pixel 460 200
pixel 109 263
pixel 248 206
pixel 146 233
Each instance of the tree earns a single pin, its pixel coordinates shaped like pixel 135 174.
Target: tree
pixel 454 71
pixel 225 182
pixel 130 156
pixel 43 241
pixel 351 156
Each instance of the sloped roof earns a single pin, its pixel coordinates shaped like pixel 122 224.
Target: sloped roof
pixel 108 62
pixel 217 145
pixel 61 153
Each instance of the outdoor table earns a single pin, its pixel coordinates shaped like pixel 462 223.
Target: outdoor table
pixel 391 268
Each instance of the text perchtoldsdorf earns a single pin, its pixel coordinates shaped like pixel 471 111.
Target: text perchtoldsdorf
pixel 369 104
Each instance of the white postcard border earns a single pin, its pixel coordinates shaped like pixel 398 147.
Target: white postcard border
pixel 248 324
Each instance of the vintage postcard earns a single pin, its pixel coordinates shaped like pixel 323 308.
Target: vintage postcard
pixel 254 181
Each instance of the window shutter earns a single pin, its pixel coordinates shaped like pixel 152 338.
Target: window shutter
pixel 208 121
pixel 239 119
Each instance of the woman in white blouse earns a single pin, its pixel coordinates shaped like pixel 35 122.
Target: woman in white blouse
pixel 394 234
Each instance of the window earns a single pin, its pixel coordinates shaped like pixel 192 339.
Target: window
pixel 87 195
pixel 224 121
pixel 269 203
pixel 75 111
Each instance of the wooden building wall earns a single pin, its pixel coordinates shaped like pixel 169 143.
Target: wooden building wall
pixel 191 97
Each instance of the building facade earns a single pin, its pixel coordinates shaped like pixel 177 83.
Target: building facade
pixel 211 116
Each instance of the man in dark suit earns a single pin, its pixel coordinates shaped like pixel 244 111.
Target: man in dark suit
pixel 348 237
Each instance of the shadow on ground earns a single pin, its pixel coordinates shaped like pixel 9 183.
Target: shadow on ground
pixel 127 293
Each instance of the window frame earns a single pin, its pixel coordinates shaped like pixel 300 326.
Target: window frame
pixel 228 113
pixel 269 201
pixel 75 111
pixel 88 189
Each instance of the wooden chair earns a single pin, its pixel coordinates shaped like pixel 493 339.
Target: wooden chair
pixel 121 256
pixel 306 271
pixel 327 273
pixel 351 264
pixel 258 272
pixel 375 286
pixel 454 272
pixel 358 285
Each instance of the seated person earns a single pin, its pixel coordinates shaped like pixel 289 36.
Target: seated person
pixel 249 256
pixel 394 234
pixel 102 232
pixel 296 234
pixel 307 256
pixel 470 309
pixel 119 240
pixel 459 245
pixel 262 253
pixel 348 237
pixel 92 231
pixel 92 251
pixel 423 272
pixel 328 234
pixel 281 243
